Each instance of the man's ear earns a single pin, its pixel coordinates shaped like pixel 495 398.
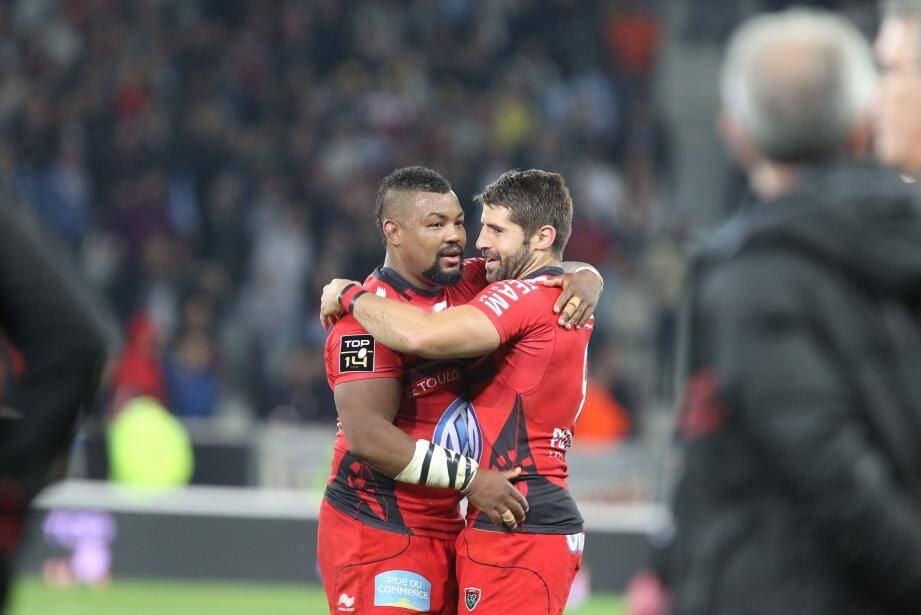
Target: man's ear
pixel 544 237
pixel 393 232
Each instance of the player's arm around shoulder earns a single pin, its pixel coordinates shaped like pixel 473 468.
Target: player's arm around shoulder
pixel 453 333
pixel 581 286
pixel 457 332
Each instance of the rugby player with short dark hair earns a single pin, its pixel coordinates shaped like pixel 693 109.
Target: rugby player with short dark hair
pixel 386 536
pixel 527 394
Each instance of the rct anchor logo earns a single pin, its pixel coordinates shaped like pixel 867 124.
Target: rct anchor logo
pixel 458 430
pixel 346 603
pixel 472 597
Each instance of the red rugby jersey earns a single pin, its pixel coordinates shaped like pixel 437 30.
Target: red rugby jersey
pixel 528 395
pixel 434 407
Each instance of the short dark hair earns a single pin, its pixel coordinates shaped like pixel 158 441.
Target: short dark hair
pixel 407 179
pixel 534 198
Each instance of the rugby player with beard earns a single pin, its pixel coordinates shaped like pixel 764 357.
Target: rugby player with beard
pixel 387 539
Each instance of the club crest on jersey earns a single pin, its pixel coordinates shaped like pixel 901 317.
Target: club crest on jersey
pixel 458 430
pixel 472 597
pixel 403 589
pixel 356 353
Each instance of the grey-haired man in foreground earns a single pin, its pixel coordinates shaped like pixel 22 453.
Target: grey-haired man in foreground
pixel 801 489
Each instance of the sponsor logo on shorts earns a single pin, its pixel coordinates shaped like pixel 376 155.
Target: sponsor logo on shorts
pixel 576 542
pixel 458 430
pixel 402 589
pixel 472 597
pixel 346 603
pixel 356 353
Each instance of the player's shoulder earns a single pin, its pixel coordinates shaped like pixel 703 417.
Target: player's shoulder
pixel 516 295
pixel 473 281
pixel 533 287
pixel 347 325
pixel 474 266
pixel 380 287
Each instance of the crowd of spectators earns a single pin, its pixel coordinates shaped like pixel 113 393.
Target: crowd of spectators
pixel 210 164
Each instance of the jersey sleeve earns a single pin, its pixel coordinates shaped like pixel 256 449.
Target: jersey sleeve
pixel 352 354
pixel 514 306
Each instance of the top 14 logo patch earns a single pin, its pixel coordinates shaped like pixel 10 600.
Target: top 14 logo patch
pixel 356 353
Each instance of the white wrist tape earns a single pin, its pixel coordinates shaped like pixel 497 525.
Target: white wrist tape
pixel 436 466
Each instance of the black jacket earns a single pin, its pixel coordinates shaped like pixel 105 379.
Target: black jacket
pixel 61 341
pixel 801 485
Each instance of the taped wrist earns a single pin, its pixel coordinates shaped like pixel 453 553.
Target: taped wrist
pixel 349 296
pixel 436 466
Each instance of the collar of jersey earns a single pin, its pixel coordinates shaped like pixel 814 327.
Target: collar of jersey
pixel 402 285
pixel 548 270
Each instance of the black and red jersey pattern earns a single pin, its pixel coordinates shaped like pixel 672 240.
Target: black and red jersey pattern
pixel 551 507
pixel 368 494
pixel 434 407
pixel 528 395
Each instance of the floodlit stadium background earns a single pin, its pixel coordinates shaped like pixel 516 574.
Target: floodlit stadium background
pixel 207 165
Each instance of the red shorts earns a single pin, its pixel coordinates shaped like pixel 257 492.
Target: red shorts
pixel 501 572
pixel 368 570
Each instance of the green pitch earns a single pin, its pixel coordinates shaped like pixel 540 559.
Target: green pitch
pixel 134 597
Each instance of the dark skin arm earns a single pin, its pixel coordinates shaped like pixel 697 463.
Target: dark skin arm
pixel 573 311
pixel 367 409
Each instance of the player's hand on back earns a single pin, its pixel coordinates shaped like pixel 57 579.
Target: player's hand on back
pixel 492 493
pixel 581 291
pixel 330 310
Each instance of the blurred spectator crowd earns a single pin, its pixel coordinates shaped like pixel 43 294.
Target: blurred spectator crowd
pixel 210 164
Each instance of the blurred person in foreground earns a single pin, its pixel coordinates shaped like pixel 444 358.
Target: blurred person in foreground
pixel 386 535
pixel 898 49
pixel 62 347
pixel 801 485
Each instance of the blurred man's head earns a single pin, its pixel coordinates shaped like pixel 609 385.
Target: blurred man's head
pixel 898 49
pixel 797 87
pixel 422 224
pixel 527 220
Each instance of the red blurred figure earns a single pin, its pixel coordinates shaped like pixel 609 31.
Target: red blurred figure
pixel 138 371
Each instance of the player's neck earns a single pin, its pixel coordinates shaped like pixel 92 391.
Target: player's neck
pixel 417 280
pixel 541 261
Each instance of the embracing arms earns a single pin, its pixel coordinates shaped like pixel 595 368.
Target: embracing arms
pixel 458 332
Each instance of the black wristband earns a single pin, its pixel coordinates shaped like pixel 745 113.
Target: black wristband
pixel 349 295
